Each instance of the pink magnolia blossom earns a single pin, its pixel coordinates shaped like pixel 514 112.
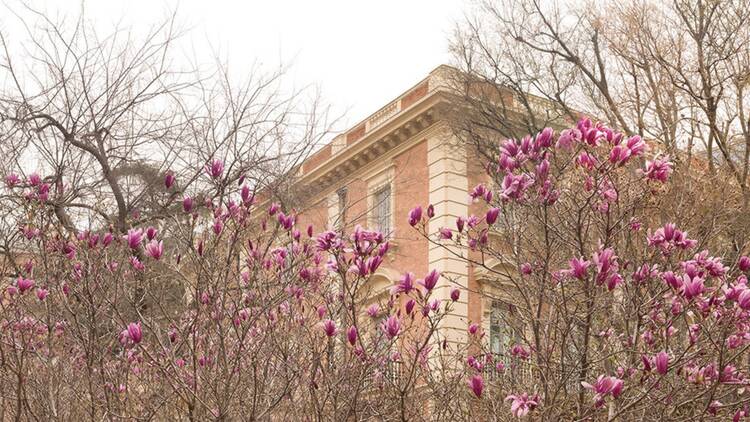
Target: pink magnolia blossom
pixel 586 161
pixel 522 404
pixel 28 267
pixel 511 155
pixel 42 193
pixel 274 208
pixel 107 239
pixel 633 147
pixel 430 280
pixel 455 294
pixel 491 216
pixel 645 273
pixel 520 352
pixel 743 263
pixel 134 238
pixel 30 232
pixel 137 264
pixel 34 179
pixel 217 226
pixel 93 241
pixel 187 204
pixel 620 154
pixel 434 304
pixel 543 139
pixel 154 249
pixel 373 310
pixel 405 284
pixel 607 265
pixel 24 284
pixel 41 294
pixel 743 299
pixel 391 326
pixel 476 384
pixel 409 307
pixel 351 335
pixel 692 287
pixel 592 134
pixel 329 327
pixel 480 191
pixel 328 240
pixel 672 280
pixel 636 145
pixel 286 221
pixel 661 362
pixel 169 180
pixel 445 233
pixel 714 406
pixel 69 250
pixel 132 334
pixel 515 186
pixel 415 215
pixel 608 195
pixel 567 138
pixel 246 195
pixel 12 180
pixel 604 386
pixel 215 168
pixel 739 414
pixel 460 222
pixel 579 268
pixel 658 169
pixel 668 238
pixel 542 170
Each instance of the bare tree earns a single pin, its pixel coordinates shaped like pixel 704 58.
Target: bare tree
pixel 104 118
pixel 675 72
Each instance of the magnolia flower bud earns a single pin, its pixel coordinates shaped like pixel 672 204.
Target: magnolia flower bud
pixel 169 180
pixel 415 215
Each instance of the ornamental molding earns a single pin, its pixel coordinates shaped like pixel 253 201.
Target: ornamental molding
pixel 373 146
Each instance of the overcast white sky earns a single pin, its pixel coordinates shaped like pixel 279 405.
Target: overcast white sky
pixel 361 54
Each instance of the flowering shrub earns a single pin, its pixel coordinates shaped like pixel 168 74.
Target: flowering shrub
pixel 228 309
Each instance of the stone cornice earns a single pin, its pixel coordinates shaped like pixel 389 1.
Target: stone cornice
pixel 391 126
pixel 373 145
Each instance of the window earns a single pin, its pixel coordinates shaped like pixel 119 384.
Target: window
pixel 341 196
pixel 382 210
pixel 501 333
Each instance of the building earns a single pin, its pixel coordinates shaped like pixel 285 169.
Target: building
pixel 401 156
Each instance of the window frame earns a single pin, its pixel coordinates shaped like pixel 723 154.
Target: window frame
pixel 377 180
pixel 383 223
pixel 342 201
pixel 507 332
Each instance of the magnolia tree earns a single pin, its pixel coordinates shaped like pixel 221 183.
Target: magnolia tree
pixel 618 313
pixel 612 319
pixel 268 323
